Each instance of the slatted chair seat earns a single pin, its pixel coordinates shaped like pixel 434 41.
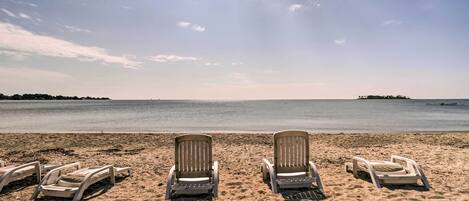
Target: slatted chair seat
pixel 192 188
pixel 194 171
pixel 295 182
pixel 292 174
pixel 381 168
pixel 291 167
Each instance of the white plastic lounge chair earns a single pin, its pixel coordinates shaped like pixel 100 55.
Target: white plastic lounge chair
pixel 12 173
pixel 193 172
pixel 291 168
pixel 56 183
pixel 389 172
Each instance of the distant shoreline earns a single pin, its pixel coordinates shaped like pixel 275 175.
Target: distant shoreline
pixel 47 97
pixel 382 97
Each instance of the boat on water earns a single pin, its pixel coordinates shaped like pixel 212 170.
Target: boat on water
pixel 449 104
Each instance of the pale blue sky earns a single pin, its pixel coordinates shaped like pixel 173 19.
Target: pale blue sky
pixel 235 49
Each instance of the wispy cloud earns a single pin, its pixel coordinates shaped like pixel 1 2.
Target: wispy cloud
pixel 24 16
pixel 340 41
pixel 212 64
pixel 19 15
pixel 7 12
pixel 239 63
pixel 24 3
pixel 305 5
pixel 295 7
pixel 391 22
pixel 76 29
pixel 184 24
pixel 192 26
pixel 15 38
pixel 198 28
pixel 172 58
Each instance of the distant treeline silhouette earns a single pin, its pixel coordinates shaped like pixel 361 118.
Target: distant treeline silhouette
pixel 47 97
pixel 383 97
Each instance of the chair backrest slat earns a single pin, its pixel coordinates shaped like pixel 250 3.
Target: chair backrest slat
pixel 291 151
pixel 193 156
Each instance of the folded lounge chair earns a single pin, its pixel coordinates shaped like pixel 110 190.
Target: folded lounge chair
pixel 389 172
pixel 194 171
pixel 72 185
pixel 12 173
pixel 291 168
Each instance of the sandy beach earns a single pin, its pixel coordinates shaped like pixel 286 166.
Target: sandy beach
pixel 443 156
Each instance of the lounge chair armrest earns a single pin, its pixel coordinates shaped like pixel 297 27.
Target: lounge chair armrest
pixel 86 181
pixel 357 159
pixel 371 170
pixel 53 171
pixel 395 158
pixel 169 182
pixel 412 166
pixel 267 162
pixel 107 167
pixel 273 177
pixel 215 178
pixel 313 170
pixel 45 179
pixel 36 164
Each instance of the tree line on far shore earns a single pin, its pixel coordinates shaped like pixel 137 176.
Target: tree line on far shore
pixel 47 97
pixel 383 97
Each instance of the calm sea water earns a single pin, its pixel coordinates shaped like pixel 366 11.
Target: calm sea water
pixel 233 116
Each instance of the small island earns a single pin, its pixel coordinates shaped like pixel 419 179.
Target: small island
pixel 47 97
pixel 382 97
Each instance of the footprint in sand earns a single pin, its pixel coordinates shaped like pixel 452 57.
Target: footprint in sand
pixel 237 183
pixel 392 196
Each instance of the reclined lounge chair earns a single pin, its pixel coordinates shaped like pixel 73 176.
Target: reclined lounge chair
pixel 12 173
pixel 194 171
pixel 57 183
pixel 291 168
pixel 399 170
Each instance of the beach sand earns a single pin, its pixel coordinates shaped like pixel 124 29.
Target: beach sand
pixel 444 158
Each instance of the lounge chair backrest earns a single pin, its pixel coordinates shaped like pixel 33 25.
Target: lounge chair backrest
pixel 193 156
pixel 291 151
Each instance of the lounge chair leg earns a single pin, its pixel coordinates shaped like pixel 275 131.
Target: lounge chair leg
pixel 1 186
pixel 273 179
pixel 265 176
pixel 169 183
pixel 215 179
pixel 371 171
pixel 36 193
pixel 424 179
pixel 113 176
pixel 38 173
pixel 78 195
